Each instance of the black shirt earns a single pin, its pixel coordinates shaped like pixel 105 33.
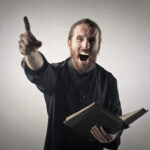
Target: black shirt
pixel 66 91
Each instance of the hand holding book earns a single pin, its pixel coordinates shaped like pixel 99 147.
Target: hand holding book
pixel 95 114
pixel 101 135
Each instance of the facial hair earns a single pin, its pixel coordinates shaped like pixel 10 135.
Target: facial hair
pixel 84 68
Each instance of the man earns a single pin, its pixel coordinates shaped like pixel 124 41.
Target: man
pixel 71 85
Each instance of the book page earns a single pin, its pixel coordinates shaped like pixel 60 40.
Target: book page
pixel 80 111
pixel 126 116
pixel 131 117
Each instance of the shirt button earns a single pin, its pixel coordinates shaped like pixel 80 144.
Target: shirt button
pixel 83 97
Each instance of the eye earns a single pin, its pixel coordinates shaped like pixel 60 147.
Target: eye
pixel 80 38
pixel 92 40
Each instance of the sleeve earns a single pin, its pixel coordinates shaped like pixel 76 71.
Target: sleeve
pixel 115 107
pixel 114 100
pixel 45 78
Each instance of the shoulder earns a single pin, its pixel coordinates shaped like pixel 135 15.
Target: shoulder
pixel 105 74
pixel 60 65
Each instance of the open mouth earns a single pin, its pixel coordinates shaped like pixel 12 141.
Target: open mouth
pixel 83 57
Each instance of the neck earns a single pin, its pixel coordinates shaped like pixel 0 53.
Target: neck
pixel 81 70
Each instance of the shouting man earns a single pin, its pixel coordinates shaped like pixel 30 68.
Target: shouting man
pixel 71 85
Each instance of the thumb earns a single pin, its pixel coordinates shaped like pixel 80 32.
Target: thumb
pixel 38 44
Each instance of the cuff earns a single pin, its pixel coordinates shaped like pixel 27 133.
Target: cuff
pixel 26 68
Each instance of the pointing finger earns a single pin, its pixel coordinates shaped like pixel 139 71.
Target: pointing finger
pixel 27 24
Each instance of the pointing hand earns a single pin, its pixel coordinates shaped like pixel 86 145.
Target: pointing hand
pixel 28 43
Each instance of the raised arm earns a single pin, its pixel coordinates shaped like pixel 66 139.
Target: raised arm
pixel 28 46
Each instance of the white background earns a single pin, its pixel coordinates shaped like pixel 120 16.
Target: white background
pixel 125 26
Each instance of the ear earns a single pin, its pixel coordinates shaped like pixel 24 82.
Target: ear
pixel 69 44
pixel 99 47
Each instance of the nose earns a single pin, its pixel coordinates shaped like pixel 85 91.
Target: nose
pixel 85 44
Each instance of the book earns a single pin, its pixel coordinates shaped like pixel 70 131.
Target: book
pixel 95 114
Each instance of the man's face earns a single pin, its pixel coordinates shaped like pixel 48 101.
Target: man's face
pixel 84 47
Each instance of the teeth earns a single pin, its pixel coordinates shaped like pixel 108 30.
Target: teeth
pixel 84 54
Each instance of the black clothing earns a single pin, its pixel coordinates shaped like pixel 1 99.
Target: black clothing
pixel 66 92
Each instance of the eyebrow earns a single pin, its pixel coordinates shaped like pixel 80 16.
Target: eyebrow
pixel 93 37
pixel 80 36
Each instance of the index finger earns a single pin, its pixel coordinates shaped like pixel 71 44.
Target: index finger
pixel 27 24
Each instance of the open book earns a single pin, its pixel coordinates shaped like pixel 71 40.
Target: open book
pixel 95 114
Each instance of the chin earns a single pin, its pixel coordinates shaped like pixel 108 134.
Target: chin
pixel 83 66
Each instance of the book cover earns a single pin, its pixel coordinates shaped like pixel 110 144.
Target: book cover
pixel 95 114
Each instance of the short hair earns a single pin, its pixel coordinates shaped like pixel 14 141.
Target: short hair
pixel 84 21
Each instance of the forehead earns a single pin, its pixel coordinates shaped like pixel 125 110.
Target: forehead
pixel 85 30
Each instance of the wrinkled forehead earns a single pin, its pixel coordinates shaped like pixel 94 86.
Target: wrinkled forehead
pixel 86 31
